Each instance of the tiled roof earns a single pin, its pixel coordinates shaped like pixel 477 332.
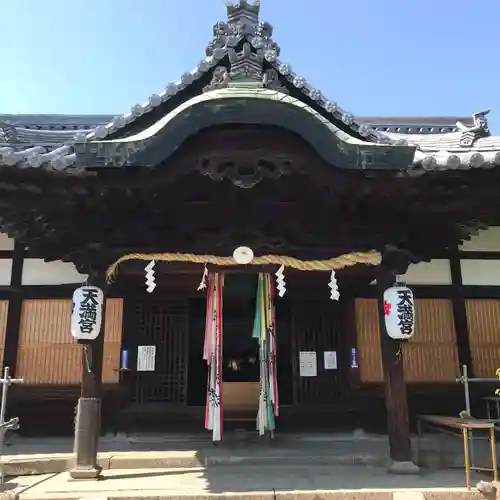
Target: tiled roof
pixel 54 121
pixel 440 142
pixel 70 124
pixel 415 124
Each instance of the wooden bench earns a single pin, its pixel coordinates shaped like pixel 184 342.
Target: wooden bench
pixel 240 400
pixel 452 425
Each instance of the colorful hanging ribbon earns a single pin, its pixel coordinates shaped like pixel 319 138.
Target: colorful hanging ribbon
pixel 265 331
pixel 212 353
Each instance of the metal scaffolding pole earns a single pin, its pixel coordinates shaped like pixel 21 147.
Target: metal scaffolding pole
pixel 11 424
pixel 465 380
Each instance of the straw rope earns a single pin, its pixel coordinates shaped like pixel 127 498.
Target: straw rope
pixel 371 258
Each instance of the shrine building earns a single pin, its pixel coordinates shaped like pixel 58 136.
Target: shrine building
pixel 242 152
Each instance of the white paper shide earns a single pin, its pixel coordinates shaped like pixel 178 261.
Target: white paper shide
pixel 86 318
pixel 399 312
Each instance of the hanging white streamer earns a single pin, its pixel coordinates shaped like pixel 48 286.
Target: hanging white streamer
pixel 334 287
pixel 150 277
pixel 203 282
pixel 280 281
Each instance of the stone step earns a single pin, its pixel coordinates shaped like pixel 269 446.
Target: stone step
pixel 269 495
pixel 252 483
pixel 46 464
pixel 58 462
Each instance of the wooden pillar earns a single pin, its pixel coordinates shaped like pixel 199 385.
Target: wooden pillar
pixel 394 262
pixel 88 411
pixel 460 315
pixel 12 330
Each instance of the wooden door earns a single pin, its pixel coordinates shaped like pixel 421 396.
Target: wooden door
pixel 164 324
pixel 317 326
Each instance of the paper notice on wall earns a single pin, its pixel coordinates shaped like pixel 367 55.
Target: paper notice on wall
pixel 146 356
pixel 308 365
pixel 330 360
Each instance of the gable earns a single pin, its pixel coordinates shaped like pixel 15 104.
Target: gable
pixel 241 53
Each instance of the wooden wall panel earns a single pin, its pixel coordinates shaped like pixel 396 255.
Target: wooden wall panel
pixel 48 354
pixel 112 341
pixel 4 309
pixel 483 317
pixel 368 341
pixel 431 356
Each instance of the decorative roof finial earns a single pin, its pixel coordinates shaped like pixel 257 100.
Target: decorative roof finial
pixel 8 132
pixel 243 10
pixel 479 129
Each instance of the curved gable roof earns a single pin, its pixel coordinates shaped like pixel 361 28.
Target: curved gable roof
pixel 152 146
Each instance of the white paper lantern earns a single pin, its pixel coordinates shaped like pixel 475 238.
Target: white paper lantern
pixel 86 318
pixel 399 312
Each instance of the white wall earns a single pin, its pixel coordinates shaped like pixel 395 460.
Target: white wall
pixel 477 272
pixel 480 272
pixel 5 271
pixel 6 243
pixel 435 272
pixel 39 272
pixel 487 240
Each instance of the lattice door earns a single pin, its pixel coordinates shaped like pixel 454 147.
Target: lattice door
pixel 317 327
pixel 164 324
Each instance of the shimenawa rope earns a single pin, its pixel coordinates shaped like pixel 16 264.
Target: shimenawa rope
pixel 371 258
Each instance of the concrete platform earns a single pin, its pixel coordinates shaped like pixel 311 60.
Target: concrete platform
pixel 248 482
pixel 170 452
pixel 15 465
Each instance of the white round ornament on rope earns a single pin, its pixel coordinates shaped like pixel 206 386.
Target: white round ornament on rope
pixel 243 255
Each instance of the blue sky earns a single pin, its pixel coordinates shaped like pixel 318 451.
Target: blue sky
pixel 386 57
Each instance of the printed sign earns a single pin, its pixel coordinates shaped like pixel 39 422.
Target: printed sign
pixel 308 365
pixel 146 358
pixel 86 317
pixel 330 360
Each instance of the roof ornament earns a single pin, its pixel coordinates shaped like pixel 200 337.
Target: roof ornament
pixel 246 65
pixel 478 130
pixel 271 81
pixel 243 9
pixel 242 20
pixel 8 132
pixel 244 31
